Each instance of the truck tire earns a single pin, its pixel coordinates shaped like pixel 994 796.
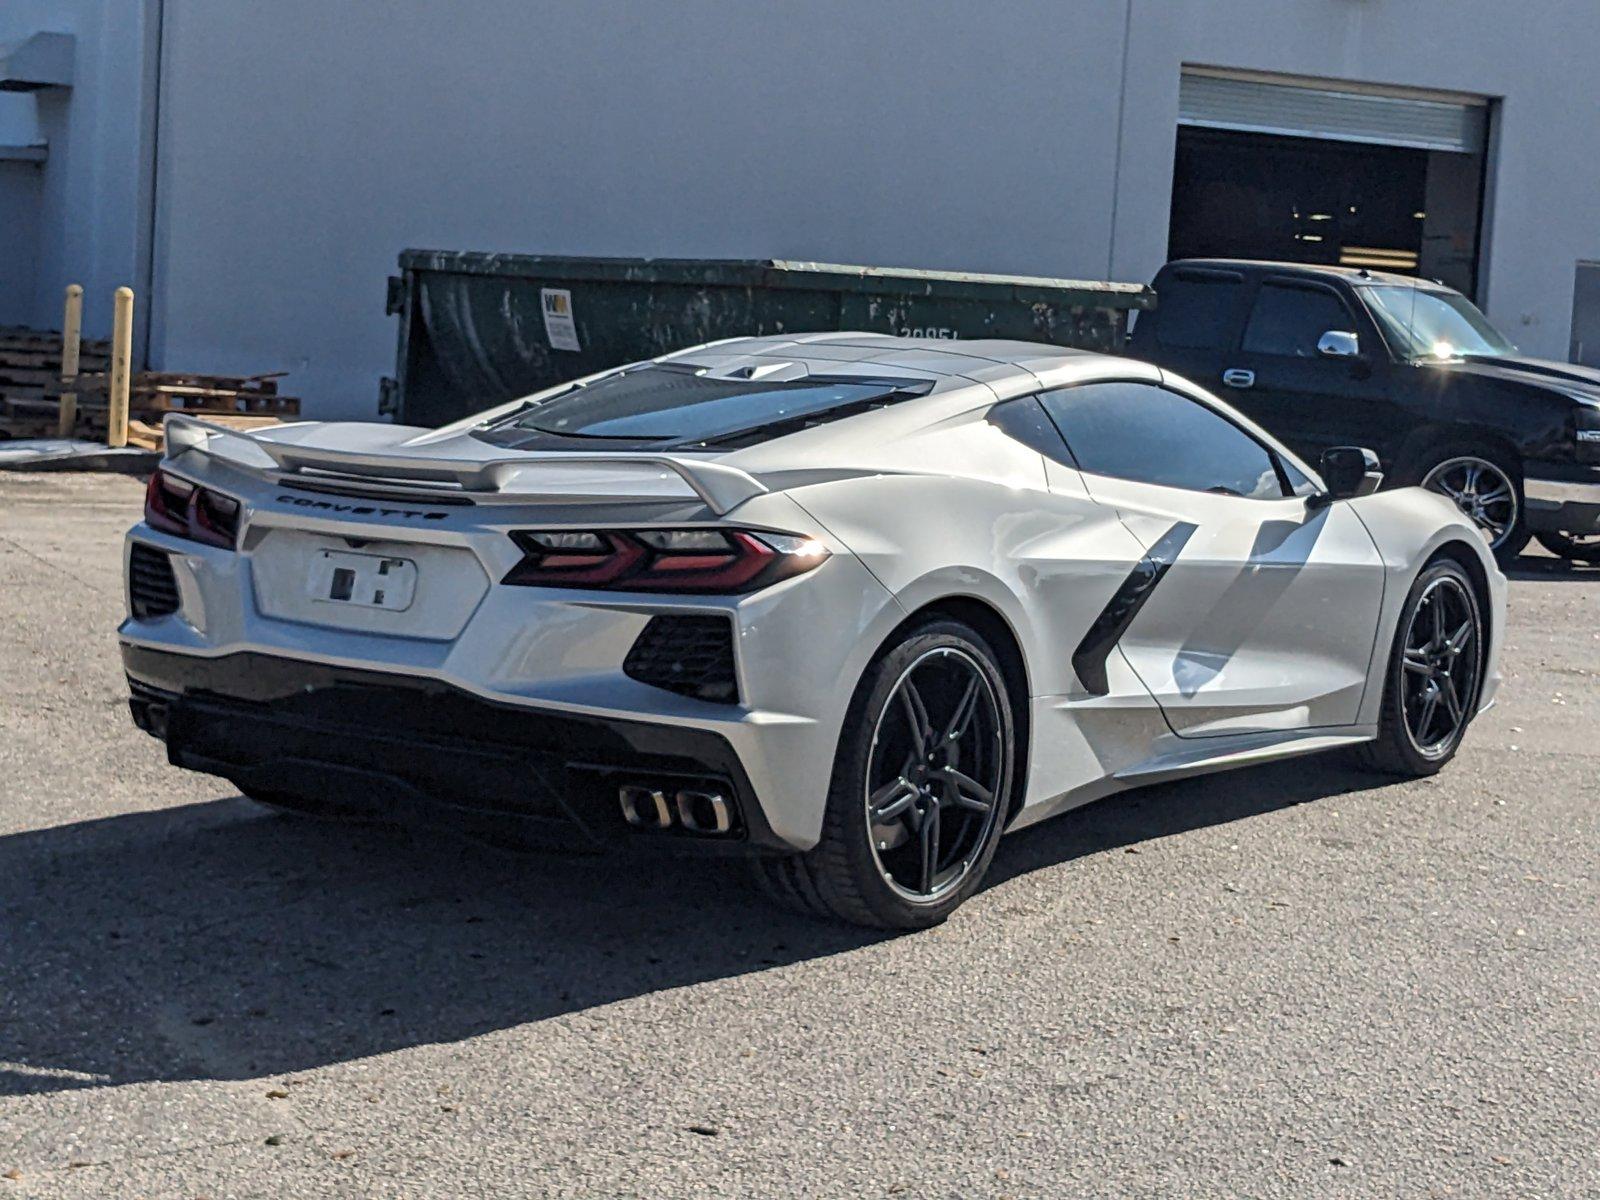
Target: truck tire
pixel 1484 486
pixel 1575 547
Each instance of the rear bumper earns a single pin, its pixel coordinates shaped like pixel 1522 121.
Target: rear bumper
pixel 1562 498
pixel 421 752
pixel 561 651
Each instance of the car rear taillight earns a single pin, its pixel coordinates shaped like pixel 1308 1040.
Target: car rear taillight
pixel 662 560
pixel 188 510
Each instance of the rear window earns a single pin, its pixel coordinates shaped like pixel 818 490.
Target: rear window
pixel 680 404
pixel 1289 320
pixel 1198 311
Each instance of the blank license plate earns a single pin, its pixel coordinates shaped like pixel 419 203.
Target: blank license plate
pixel 363 580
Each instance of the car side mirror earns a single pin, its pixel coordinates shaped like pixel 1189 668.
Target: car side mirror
pixel 1348 472
pixel 1339 343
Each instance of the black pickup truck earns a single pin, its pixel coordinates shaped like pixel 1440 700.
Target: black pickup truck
pixel 1326 356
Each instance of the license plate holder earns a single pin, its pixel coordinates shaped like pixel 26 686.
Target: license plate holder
pixel 379 581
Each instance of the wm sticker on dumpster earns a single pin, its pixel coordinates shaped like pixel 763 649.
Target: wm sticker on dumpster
pixel 559 326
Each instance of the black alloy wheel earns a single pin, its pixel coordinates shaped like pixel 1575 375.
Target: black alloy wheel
pixel 1440 666
pixel 935 777
pixel 921 790
pixel 1435 673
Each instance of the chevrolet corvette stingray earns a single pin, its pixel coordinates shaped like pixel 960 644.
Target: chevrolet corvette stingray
pixel 848 605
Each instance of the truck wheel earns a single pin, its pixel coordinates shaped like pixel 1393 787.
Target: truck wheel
pixel 1578 547
pixel 919 790
pixel 1487 492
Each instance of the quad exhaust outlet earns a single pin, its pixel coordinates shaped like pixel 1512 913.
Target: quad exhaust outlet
pixel 695 811
pixel 644 807
pixel 704 812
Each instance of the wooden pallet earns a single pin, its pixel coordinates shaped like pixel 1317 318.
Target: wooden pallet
pixel 31 387
pixel 267 382
pixel 13 377
pixel 15 339
pixel 40 416
pixel 200 394
pixel 30 367
pixel 148 436
pixel 32 358
pixel 200 402
pixel 37 360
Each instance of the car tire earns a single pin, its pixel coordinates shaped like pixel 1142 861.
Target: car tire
pixel 880 875
pixel 1413 740
pixel 1446 470
pixel 1583 547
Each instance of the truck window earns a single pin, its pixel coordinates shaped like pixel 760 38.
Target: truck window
pixel 1425 323
pixel 1289 319
pixel 1198 311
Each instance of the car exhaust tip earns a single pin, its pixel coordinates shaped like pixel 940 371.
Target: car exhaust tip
pixel 704 812
pixel 644 807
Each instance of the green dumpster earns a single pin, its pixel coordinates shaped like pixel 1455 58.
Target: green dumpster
pixel 478 329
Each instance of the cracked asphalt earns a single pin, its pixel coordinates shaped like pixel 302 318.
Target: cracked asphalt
pixel 1294 981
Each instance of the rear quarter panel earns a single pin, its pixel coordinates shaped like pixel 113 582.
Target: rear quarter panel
pixel 971 513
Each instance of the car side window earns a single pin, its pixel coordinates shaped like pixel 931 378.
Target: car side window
pixel 1023 419
pixel 1299 483
pixel 1289 319
pixel 1148 434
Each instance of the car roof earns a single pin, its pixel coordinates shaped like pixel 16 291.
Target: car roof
pixel 1253 266
pixel 955 360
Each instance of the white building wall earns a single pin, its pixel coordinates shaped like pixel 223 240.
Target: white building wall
pixel 91 210
pixel 303 144
pixel 1544 171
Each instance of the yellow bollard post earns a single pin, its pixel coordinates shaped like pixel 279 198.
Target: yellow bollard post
pixel 121 362
pixel 71 332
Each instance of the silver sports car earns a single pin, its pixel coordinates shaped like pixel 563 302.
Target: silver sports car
pixel 849 605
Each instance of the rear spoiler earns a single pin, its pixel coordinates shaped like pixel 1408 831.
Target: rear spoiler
pixel 720 487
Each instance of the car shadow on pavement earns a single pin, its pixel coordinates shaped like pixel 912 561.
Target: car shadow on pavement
pixel 1169 809
pixel 218 941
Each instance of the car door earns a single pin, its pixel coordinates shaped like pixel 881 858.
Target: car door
pixel 1279 377
pixel 1257 607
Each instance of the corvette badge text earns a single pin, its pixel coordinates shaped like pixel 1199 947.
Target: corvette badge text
pixel 362 510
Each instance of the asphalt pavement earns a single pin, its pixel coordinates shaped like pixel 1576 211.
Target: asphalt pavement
pixel 1293 981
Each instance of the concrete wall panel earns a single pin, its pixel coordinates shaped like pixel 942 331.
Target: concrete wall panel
pixel 303 144
pixel 91 211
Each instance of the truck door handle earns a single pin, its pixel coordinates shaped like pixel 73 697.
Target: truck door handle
pixel 1237 377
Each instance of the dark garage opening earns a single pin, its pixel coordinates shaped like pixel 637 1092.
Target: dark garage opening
pixel 1242 194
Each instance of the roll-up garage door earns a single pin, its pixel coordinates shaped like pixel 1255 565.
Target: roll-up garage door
pixel 1215 100
pixel 1312 171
